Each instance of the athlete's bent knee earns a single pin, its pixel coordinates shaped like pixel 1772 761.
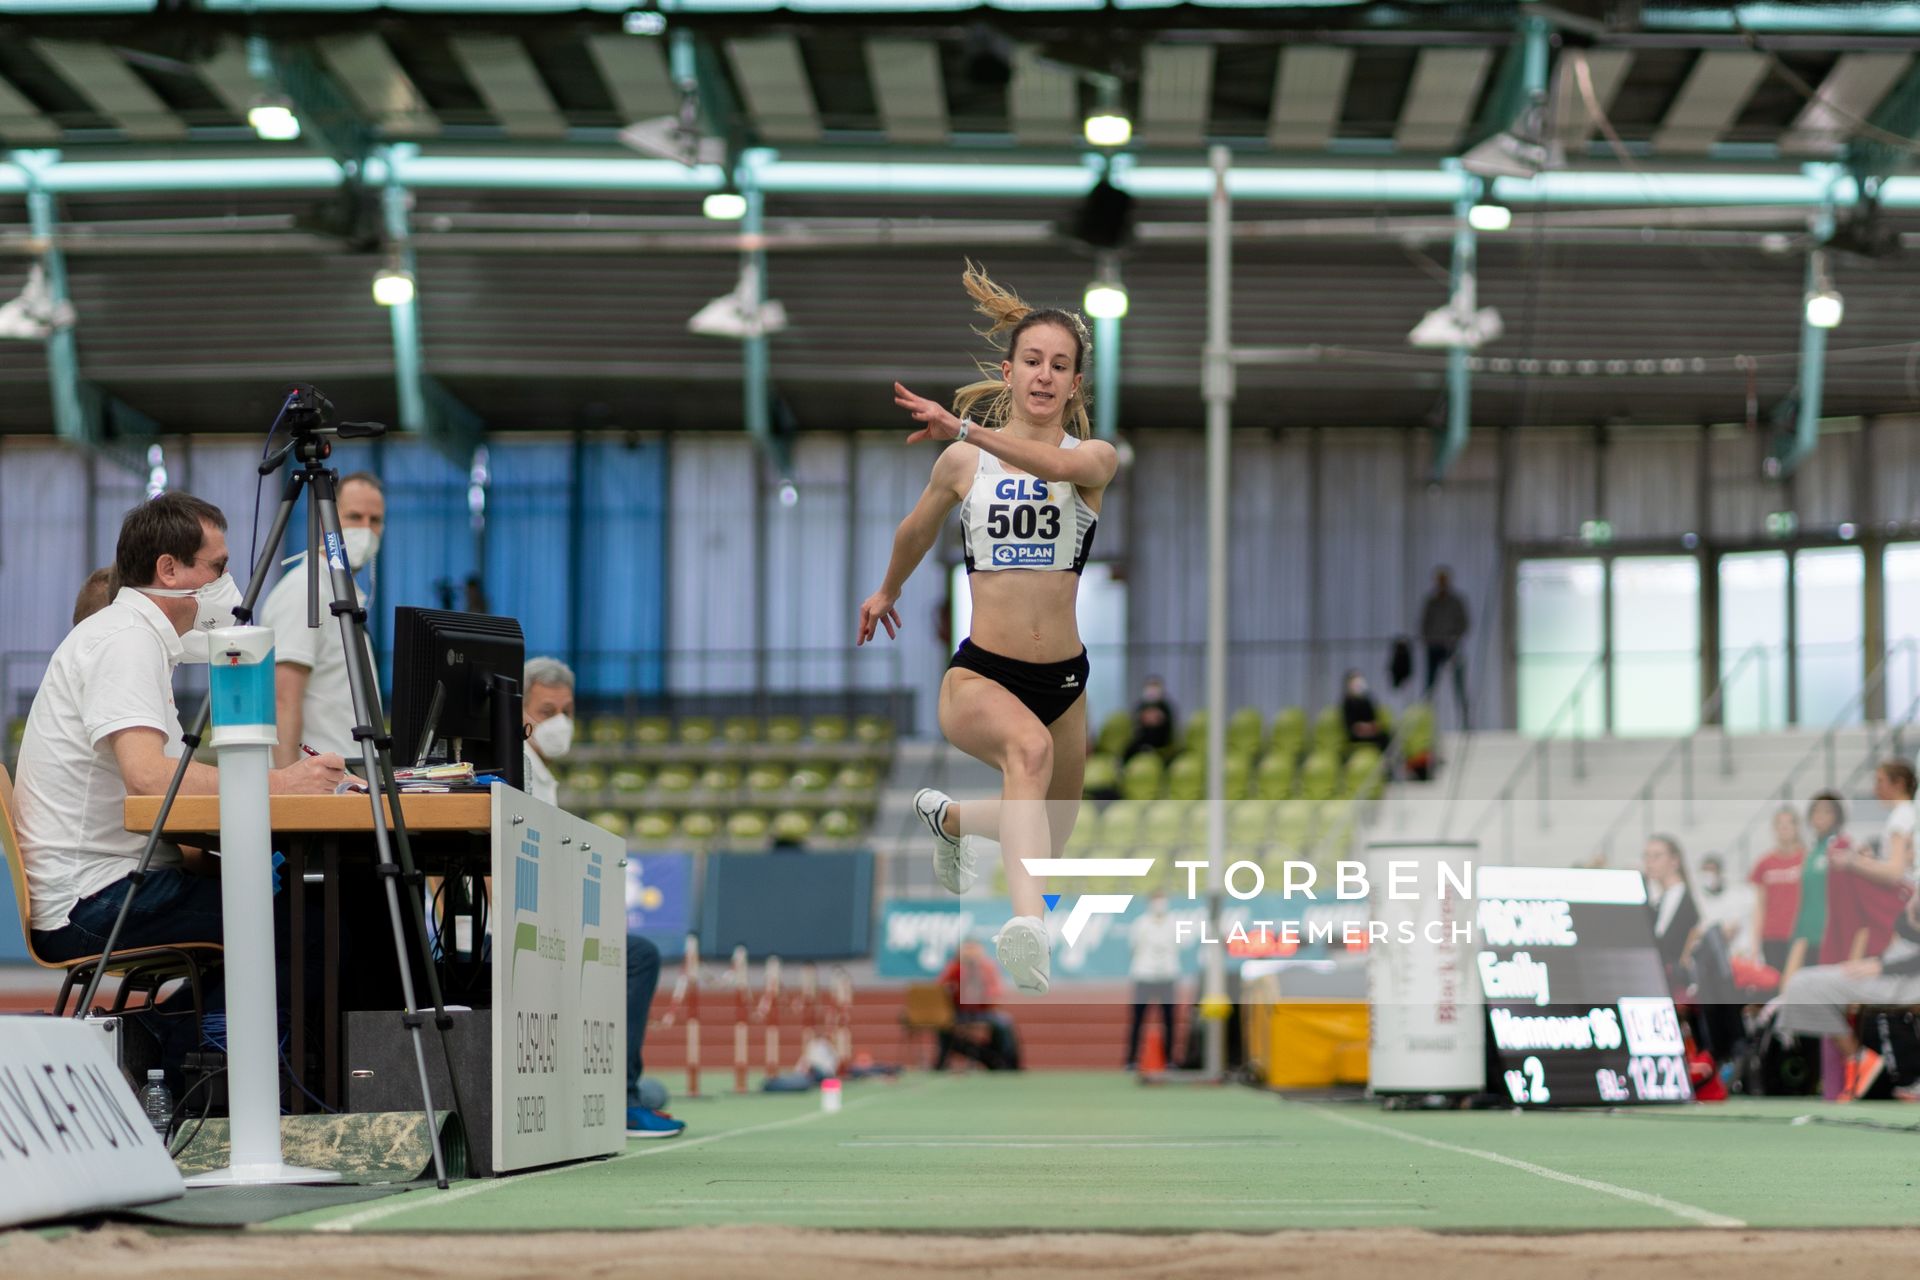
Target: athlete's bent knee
pixel 1030 755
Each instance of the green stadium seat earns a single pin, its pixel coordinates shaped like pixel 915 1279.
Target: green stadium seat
pixel 1102 776
pixel 1084 838
pixel 1289 736
pixel 794 825
pixel 675 779
pixel 873 730
pixel 1417 733
pixel 612 819
pixel 1239 776
pixel 1193 735
pixel 1361 778
pixel 720 777
pixel 586 779
pixel 696 731
pixel 740 730
pixel 1320 775
pixel 1273 777
pixel 1245 731
pixel 1292 825
pixel 652 731
pixel 828 729
pixel 765 778
pixel 1142 777
pixel 1250 825
pixel 1187 776
pixel 839 825
pixel 1383 716
pixel 607 731
pixel 1119 829
pixel 810 778
pixel 1116 731
pixel 856 777
pixel 1330 732
pixel 747 825
pixel 626 779
pixel 1170 824
pixel 785 730
pixel 651 827
pixel 699 825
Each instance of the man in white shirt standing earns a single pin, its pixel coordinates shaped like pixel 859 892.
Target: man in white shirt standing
pixel 104 726
pixel 1155 970
pixel 313 703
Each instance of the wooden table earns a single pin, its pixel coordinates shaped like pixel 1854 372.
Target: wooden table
pixel 312 830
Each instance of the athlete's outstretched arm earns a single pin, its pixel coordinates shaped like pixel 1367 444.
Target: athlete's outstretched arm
pixel 915 537
pixel 1091 466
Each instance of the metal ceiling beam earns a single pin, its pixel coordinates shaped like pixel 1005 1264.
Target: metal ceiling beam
pixel 907 89
pixel 635 70
pixel 99 75
pixel 772 76
pixel 1573 122
pixel 21 121
pixel 1176 94
pixel 1711 100
pixel 83 414
pixel 1310 88
pixel 1043 100
pixel 510 84
pixel 386 95
pixel 1897 114
pixel 1855 86
pixel 1446 83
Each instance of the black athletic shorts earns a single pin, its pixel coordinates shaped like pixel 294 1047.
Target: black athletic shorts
pixel 1048 689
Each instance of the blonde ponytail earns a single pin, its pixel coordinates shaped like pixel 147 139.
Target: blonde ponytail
pixel 990 401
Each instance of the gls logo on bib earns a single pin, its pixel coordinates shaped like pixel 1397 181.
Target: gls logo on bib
pixel 1024 555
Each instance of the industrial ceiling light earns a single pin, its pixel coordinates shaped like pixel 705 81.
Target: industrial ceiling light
pixel 724 206
pixel 644 22
pixel 1825 307
pixel 393 287
pixel 1487 216
pixel 1106 300
pixel 272 119
pixel 1108 129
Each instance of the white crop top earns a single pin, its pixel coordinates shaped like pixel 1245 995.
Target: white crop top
pixel 1020 522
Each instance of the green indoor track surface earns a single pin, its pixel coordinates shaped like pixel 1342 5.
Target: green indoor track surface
pixel 1085 1151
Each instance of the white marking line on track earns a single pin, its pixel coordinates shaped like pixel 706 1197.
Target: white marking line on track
pixel 1053 1145
pixel 1691 1213
pixel 427 1199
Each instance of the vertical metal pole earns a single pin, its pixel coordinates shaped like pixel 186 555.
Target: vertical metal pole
pixel 395 203
pixel 1106 360
pixel 1217 384
pixel 1462 278
pixel 63 354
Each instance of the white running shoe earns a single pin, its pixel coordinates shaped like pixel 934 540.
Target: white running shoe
pixel 1025 951
pixel 953 859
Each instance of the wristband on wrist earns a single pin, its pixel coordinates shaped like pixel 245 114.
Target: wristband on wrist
pixel 966 425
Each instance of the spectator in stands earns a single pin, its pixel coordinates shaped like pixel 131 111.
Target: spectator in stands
pixel 313 702
pixel 1670 898
pixel 96 593
pixel 1893 787
pixel 1443 625
pixel 1776 882
pixel 1815 999
pixel 1155 970
pixel 1153 720
pixel 1826 819
pixel 980 1030
pixel 1362 716
pixel 1725 906
pixel 546 706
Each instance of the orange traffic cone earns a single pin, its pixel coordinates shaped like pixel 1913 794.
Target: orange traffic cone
pixel 1153 1055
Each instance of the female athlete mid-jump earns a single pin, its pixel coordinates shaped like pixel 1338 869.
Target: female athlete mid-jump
pixel 1029 484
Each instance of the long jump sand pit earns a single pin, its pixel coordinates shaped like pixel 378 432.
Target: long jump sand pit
pixel 765 1253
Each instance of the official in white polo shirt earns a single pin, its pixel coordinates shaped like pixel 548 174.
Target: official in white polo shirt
pixel 104 726
pixel 313 703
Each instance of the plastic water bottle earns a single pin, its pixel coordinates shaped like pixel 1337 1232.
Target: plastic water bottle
pixel 157 1102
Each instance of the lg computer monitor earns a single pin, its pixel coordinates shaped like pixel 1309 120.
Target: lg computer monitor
pixel 456 691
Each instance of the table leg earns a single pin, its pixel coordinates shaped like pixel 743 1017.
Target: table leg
pixel 330 998
pixel 296 871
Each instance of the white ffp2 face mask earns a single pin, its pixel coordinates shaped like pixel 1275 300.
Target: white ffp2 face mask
pixel 362 544
pixel 553 737
pixel 213 606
